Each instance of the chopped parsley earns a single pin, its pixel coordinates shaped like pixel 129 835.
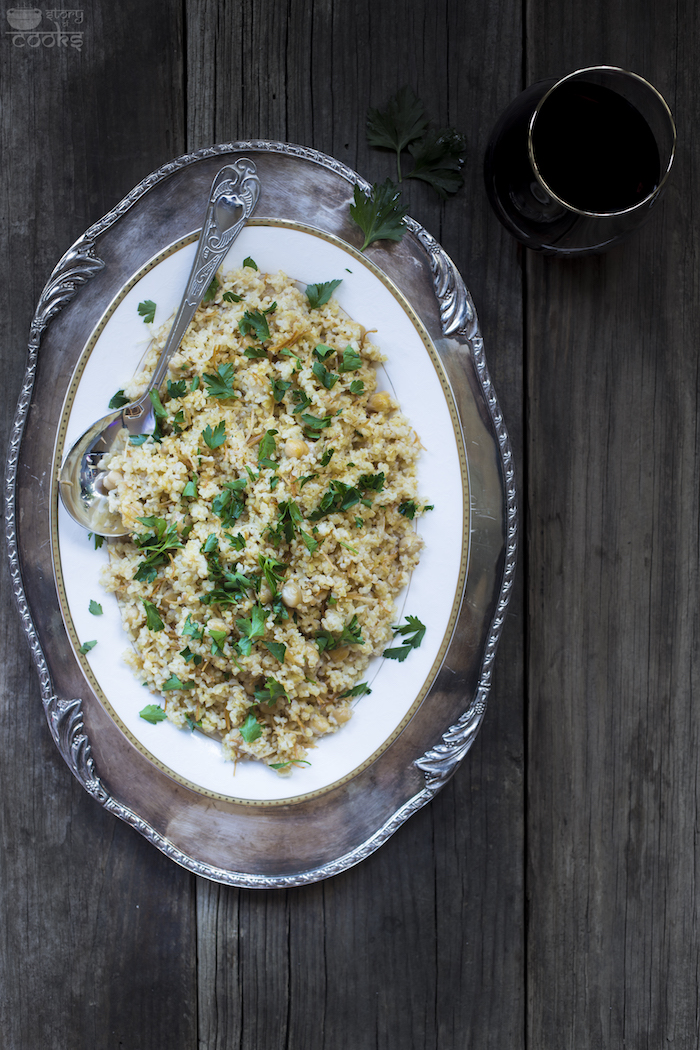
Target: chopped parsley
pixel 319 294
pixel 153 620
pixel 361 689
pixel 350 635
pixel 153 713
pixel 220 384
pixel 95 608
pixel 413 631
pixel 87 646
pixel 216 437
pixel 270 693
pixel 250 263
pixel 118 400
pixel 231 297
pixel 255 321
pixel 147 310
pixel 155 546
pixel 251 729
pixel 211 291
pixel 174 683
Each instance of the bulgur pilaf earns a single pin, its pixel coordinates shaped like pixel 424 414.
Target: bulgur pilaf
pixel 270 520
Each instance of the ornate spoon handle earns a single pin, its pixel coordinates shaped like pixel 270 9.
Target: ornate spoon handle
pixel 234 195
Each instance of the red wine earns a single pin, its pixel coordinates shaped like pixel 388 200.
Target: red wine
pixel 594 149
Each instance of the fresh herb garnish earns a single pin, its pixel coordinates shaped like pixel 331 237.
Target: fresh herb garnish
pixel 138 439
pixel 279 389
pixel 178 389
pixel 255 353
pixel 153 620
pixel 231 297
pixel 278 650
pixel 155 546
pixel 95 608
pixel 250 263
pixel 402 122
pixel 313 426
pixel 153 714
pixel 326 379
pixel 174 683
pixel 361 689
pixel 256 321
pixel 251 729
pixel 251 627
pixel 230 504
pixel 192 630
pixel 97 540
pixel 271 691
pixel 118 400
pixel 190 490
pixel 357 387
pixel 220 384
pixel 87 646
pixel 266 449
pixel 216 437
pixel 413 631
pixel 211 291
pixel 327 457
pixel 379 214
pixel 350 361
pixel 319 294
pixel 438 160
pixel 147 310
pixel 350 635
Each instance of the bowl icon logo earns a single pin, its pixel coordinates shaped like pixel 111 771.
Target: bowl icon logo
pixel 24 18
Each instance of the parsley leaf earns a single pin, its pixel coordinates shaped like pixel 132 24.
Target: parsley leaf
pixel 271 691
pixel 351 360
pixel 153 713
pixel 266 449
pixel 250 263
pixel 178 389
pixel 95 608
pixel 350 635
pixel 221 383
pixel 361 689
pixel 211 291
pixel 118 401
pixel 230 504
pixel 278 650
pixel 399 124
pixel 379 214
pixel 87 646
pixel 174 683
pixel 250 730
pixel 231 297
pixel 216 437
pixel 256 321
pixel 155 546
pixel 153 620
pixel 326 379
pixel 438 160
pixel 414 632
pixel 319 294
pixel 147 310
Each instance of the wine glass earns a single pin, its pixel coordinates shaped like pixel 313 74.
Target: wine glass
pixel 575 165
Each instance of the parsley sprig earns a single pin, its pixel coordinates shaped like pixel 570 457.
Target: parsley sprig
pixel 413 632
pixel 380 213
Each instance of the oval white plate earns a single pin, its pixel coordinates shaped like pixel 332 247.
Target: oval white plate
pixel 415 375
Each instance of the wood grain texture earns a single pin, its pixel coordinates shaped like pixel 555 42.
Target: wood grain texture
pixel 612 441
pixel 98 930
pixel 399 952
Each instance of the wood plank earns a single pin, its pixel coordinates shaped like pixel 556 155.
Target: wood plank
pixel 422 944
pixel 613 557
pixel 98 928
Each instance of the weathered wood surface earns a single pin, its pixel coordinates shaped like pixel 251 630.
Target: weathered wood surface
pixel 547 897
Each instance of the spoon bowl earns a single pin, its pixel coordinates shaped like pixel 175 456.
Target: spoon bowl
pixel 232 199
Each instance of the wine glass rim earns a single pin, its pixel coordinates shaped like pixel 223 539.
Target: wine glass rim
pixel 531 150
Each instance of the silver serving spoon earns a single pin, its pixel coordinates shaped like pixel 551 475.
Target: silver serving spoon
pixel 234 195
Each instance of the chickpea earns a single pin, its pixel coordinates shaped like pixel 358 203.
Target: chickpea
pixel 295 448
pixel 291 594
pixel 265 592
pixel 341 653
pixel 111 480
pixel 381 401
pixel 218 625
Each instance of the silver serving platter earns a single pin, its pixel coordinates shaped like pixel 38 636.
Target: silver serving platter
pixel 253 845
